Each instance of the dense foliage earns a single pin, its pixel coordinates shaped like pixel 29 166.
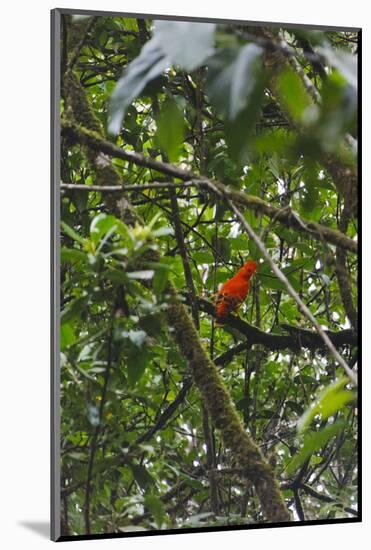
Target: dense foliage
pixel 269 113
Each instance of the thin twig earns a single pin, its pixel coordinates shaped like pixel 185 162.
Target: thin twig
pixel 325 498
pixel 184 255
pixel 123 188
pixel 94 441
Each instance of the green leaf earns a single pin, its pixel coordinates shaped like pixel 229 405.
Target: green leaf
pixel 336 403
pixel 314 441
pixel 243 403
pixel 142 476
pixel 161 278
pixel 136 365
pixel 202 257
pixel 232 79
pixel 101 225
pixel 239 243
pixel 345 62
pixel 74 308
pixel 174 42
pixel 292 93
pixel 329 401
pixel 170 129
pixel 157 509
pixel 116 276
pixel 186 43
pixel 222 245
pixel 309 195
pixel 72 233
pixel 67 335
pixel 144 275
pixel 72 255
pixel 191 481
pixel 274 283
pixel 235 85
pixel 148 65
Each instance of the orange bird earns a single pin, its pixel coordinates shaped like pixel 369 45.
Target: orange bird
pixel 234 291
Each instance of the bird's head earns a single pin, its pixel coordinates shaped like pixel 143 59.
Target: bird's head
pixel 248 269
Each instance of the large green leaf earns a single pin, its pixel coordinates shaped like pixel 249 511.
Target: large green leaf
pixel 156 507
pixel 72 255
pixel 136 365
pixel 170 129
pixel 148 65
pixel 72 233
pixel 344 62
pixel 313 442
pixel 186 43
pixel 67 335
pixel 232 79
pixel 101 225
pixel 174 42
pixel 329 401
pixel 292 93
pixel 235 85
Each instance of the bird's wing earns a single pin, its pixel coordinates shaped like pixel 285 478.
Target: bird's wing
pixel 226 303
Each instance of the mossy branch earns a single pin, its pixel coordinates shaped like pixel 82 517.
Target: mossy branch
pixel 215 396
pixel 286 216
pixel 344 277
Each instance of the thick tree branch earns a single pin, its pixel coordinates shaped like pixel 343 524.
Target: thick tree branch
pixel 343 276
pixel 297 338
pixel 77 49
pixel 286 215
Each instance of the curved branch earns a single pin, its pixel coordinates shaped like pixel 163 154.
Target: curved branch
pixel 286 216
